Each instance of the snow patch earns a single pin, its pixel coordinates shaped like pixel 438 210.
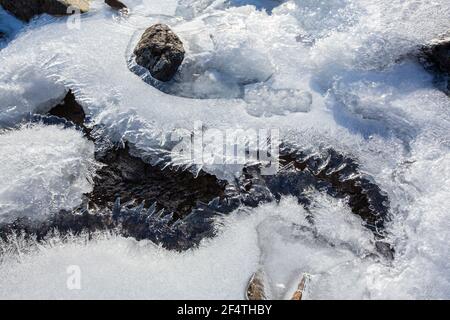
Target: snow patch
pixel 44 169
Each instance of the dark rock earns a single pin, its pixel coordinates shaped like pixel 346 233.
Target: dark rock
pixel 22 9
pixel 385 249
pixel 435 57
pixel 160 51
pixel 2 39
pixel 132 179
pixel 438 54
pixel 116 4
pixel 70 110
pixel 331 172
pixel 27 9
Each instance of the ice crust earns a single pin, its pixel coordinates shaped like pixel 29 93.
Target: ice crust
pixel 44 169
pixel 325 73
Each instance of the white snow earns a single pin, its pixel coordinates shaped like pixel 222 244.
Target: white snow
pixel 44 169
pixel 325 73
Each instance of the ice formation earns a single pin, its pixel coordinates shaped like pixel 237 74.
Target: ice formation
pixel 45 169
pixel 325 73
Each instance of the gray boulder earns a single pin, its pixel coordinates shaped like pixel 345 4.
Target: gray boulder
pixel 160 51
pixel 27 9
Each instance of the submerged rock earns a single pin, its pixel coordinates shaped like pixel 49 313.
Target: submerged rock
pixel 160 51
pixel 27 9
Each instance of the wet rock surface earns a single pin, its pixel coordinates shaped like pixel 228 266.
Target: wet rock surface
pixel 27 9
pixel 160 51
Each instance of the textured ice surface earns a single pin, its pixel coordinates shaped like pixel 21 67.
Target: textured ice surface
pixel 326 73
pixel 43 170
pixel 264 101
pixel 147 271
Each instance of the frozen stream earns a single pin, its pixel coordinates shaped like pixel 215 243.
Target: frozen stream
pixel 332 73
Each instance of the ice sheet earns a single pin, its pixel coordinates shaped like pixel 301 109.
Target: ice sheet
pixel 44 169
pixel 347 65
